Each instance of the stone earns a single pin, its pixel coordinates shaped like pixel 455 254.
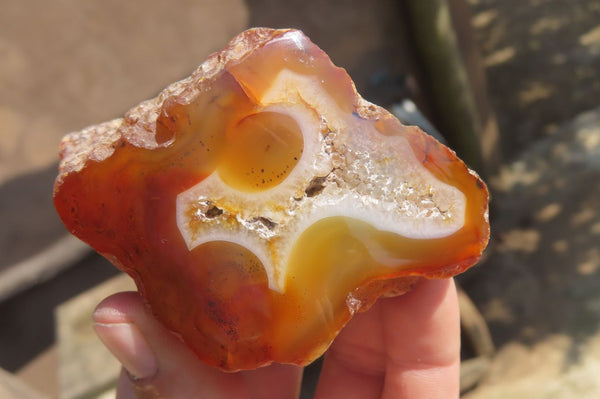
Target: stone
pixel 261 202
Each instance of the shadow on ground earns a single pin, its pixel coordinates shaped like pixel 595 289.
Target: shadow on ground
pixel 28 324
pixel 28 215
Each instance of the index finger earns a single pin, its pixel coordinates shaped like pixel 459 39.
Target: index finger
pixel 403 347
pixel 421 332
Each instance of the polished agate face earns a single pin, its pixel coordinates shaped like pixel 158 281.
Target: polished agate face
pixel 260 203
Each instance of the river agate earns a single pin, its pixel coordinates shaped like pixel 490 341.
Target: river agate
pixel 261 202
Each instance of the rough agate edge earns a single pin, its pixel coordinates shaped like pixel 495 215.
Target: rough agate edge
pixel 261 202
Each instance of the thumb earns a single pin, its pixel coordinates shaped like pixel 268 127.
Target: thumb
pixel 157 362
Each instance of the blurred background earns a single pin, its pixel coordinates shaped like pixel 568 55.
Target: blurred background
pixel 512 85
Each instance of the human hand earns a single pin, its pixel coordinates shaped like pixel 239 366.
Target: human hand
pixel 403 347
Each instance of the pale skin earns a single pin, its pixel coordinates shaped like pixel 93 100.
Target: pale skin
pixel 403 347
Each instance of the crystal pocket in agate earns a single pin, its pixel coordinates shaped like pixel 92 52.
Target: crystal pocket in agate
pixel 261 202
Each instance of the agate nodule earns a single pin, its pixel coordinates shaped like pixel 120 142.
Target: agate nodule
pixel 261 202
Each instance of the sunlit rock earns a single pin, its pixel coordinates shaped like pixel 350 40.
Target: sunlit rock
pixel 260 203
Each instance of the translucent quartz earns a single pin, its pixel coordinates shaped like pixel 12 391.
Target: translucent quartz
pixel 260 203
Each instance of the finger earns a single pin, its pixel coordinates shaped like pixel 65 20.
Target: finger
pixel 354 366
pixel 281 381
pixel 406 346
pixel 159 364
pixel 124 386
pixel 421 333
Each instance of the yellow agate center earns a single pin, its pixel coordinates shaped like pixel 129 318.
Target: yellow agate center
pixel 261 151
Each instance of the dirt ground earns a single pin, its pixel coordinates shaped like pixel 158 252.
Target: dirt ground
pixel 542 59
pixel 539 288
pixel 70 64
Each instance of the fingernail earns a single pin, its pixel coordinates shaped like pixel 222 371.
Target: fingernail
pixel 128 345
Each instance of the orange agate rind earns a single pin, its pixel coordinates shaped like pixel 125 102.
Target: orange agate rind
pixel 260 203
